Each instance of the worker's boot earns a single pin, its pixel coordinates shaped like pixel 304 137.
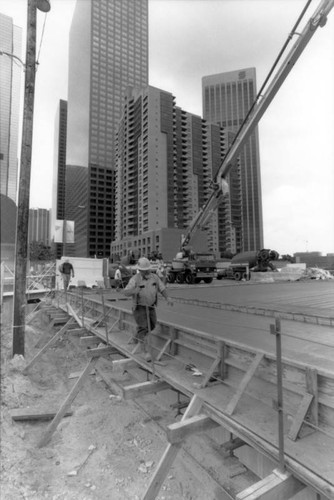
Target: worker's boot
pixel 147 354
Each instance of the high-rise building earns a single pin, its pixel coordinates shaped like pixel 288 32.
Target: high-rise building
pixel 39 225
pixel 227 98
pixel 59 173
pixel 166 160
pixel 108 51
pixel 10 80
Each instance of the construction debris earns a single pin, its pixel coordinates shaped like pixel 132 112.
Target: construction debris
pixel 315 273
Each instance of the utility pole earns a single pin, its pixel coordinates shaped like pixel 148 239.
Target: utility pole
pixel 22 219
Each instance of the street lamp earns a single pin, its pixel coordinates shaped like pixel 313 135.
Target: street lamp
pixel 22 219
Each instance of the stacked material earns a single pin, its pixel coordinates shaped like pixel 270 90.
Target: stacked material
pixel 315 273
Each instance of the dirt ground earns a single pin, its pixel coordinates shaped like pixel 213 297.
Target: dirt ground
pixel 108 448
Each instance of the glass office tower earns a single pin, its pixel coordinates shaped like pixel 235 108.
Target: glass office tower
pixel 227 97
pixel 108 51
pixel 10 81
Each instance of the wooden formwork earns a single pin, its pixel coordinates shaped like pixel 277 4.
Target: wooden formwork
pixel 236 389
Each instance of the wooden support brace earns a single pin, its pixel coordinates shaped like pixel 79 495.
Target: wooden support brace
pixel 137 390
pixel 89 340
pixel 137 348
pixel 169 455
pixel 101 351
pixel 173 338
pixel 48 329
pixel 74 314
pixel 66 404
pixel 233 444
pixel 47 345
pixel 120 365
pixel 77 331
pixel 277 485
pixel 181 430
pixel 22 414
pixel 312 388
pixel 210 372
pixel 244 383
pixel 163 350
pixel 114 387
pixel 300 416
pixel 58 320
pixel 222 354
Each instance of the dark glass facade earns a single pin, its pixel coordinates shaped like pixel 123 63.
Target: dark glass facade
pixel 227 98
pixel 108 52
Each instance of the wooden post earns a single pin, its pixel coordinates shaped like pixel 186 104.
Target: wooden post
pixel 70 398
pixel 276 330
pixel 22 218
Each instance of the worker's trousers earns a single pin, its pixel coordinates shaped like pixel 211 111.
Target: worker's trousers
pixel 66 280
pixel 140 316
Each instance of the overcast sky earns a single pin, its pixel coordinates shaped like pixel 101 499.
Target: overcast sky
pixel 190 39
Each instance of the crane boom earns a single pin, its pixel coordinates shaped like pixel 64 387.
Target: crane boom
pixel 317 20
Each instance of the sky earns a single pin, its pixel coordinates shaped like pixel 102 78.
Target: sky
pixel 189 39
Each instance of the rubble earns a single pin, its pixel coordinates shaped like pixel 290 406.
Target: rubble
pixel 315 273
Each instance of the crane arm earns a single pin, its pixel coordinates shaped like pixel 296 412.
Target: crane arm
pixel 220 188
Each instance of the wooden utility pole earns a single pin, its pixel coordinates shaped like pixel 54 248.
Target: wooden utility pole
pixel 22 219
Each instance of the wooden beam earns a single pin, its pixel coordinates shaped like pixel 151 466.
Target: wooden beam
pixel 77 331
pixel 51 341
pixel 161 472
pixel 137 390
pixel 222 353
pixel 277 485
pixel 233 444
pixel 244 383
pixel 300 416
pixel 209 374
pixel 311 375
pixel 89 340
pixel 123 364
pixel 163 350
pixel 20 414
pixel 114 387
pixel 41 341
pixel 173 337
pixel 101 351
pixel 181 430
pixel 169 455
pixel 66 404
pixel 74 314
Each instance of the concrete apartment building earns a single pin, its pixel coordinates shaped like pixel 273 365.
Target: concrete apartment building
pixel 166 160
pixel 108 50
pixel 227 98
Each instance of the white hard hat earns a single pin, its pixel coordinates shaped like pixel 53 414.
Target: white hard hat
pixel 144 264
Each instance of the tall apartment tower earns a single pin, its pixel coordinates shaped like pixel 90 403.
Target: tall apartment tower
pixel 166 160
pixel 227 97
pixel 10 80
pixel 108 50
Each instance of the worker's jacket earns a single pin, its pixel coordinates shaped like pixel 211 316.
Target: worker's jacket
pixel 144 290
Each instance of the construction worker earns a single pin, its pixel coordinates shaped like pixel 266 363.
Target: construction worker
pixel 144 287
pixel 118 278
pixel 67 271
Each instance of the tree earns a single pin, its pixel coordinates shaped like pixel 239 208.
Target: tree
pixel 39 251
pixel 288 258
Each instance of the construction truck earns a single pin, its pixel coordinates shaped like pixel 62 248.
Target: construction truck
pixel 184 266
pixel 189 267
pixel 244 263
